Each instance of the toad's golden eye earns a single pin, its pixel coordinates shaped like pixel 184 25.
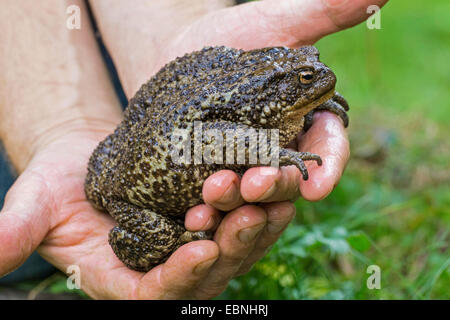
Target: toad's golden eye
pixel 306 76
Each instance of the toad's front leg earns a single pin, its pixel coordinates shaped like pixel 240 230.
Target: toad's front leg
pixel 338 105
pixel 252 154
pixel 290 157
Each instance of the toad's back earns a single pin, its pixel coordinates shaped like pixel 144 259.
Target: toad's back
pixel 131 174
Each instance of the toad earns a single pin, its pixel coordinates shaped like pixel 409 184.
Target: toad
pixel 132 175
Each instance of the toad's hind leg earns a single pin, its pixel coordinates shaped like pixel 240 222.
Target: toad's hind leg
pixel 97 184
pixel 143 238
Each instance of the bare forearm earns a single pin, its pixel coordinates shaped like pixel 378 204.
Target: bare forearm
pixel 139 36
pixel 52 78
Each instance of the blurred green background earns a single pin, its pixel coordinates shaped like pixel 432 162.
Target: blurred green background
pixel 392 206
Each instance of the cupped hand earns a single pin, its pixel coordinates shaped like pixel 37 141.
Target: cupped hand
pixel 274 189
pixel 46 206
pixel 47 209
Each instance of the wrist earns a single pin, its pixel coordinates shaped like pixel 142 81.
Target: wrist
pixel 142 45
pixel 23 141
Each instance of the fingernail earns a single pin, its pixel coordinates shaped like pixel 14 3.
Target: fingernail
pixel 268 171
pixel 230 195
pixel 222 182
pixel 202 267
pixel 209 224
pixel 263 175
pixel 249 234
pixel 269 192
pixel 264 178
pixel 276 226
pixel 285 214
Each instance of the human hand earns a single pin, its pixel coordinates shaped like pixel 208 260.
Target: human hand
pixel 258 24
pixel 46 206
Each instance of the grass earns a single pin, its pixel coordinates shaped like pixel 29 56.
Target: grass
pixel 392 206
pixel 391 209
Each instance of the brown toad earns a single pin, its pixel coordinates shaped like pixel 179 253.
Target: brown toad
pixel 131 173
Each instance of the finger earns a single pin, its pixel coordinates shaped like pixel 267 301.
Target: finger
pixel 222 190
pixel 278 217
pixel 277 23
pixel 327 137
pixel 236 237
pixel 179 276
pixel 268 184
pixel 201 218
pixel 24 220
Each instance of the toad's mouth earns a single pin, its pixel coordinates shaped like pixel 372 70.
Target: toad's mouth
pixel 298 108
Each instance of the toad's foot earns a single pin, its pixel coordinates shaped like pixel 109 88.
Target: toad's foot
pixel 143 239
pixel 338 105
pixel 290 157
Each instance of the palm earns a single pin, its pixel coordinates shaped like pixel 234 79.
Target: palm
pixel 76 233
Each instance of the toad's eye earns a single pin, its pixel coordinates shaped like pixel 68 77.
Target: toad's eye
pixel 306 76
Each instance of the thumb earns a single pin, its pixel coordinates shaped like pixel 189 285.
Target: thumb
pixel 24 220
pixel 290 23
